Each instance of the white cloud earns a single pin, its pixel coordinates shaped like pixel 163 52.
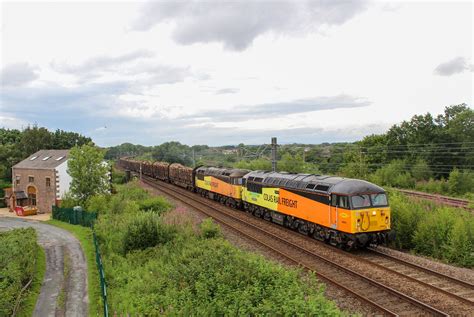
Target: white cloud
pixel 101 62
pixel 454 66
pixel 10 122
pixel 237 23
pixel 18 74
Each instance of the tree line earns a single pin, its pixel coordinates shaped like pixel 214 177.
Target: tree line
pixel 433 153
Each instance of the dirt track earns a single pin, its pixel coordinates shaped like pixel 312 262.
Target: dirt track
pixel 57 244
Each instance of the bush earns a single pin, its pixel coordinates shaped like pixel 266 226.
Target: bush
pixel 131 191
pixel 441 232
pixel 394 175
pixel 18 250
pixel 405 218
pixel 145 231
pixel 3 184
pixel 432 233
pixel 209 229
pixel 460 245
pixel 210 278
pixel 460 182
pixel 118 177
pixel 69 201
pixel 98 203
pixel 157 205
pixel 433 186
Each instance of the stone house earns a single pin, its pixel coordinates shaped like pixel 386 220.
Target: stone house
pixel 42 178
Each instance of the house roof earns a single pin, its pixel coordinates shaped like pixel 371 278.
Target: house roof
pixel 44 159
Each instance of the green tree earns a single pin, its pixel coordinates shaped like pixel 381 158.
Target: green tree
pixel 66 140
pixel 89 172
pixel 34 139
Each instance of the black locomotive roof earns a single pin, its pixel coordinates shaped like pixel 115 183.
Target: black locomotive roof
pixel 216 171
pixel 312 182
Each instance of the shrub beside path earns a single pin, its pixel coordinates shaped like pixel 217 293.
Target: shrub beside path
pixel 57 244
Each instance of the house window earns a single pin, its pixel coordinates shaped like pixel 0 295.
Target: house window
pixel 17 180
pixel 31 179
pixel 48 182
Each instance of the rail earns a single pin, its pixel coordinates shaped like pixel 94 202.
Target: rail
pixel 440 199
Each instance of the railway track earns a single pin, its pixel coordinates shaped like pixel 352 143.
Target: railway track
pixel 384 299
pixel 449 285
pixel 439 199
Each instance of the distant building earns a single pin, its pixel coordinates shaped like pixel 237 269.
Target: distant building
pixel 230 151
pixel 42 178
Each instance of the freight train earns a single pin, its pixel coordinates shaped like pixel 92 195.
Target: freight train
pixel 347 213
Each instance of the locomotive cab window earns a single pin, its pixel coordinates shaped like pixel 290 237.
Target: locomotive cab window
pixel 379 200
pixel 360 201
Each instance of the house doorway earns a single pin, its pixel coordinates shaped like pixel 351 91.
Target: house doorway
pixel 31 196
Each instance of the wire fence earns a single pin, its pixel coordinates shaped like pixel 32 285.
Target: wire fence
pixel 86 219
pixel 75 216
pixel 100 267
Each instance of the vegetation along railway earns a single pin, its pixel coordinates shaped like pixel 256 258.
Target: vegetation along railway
pixel 438 199
pixel 389 285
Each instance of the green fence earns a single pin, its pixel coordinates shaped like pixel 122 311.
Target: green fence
pixel 86 219
pixel 103 284
pixel 74 217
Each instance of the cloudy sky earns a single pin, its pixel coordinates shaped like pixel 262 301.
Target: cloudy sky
pixel 225 72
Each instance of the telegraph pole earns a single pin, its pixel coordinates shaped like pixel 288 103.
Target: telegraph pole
pixel 274 154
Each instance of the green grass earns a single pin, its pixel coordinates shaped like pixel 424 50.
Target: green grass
pixel 29 302
pixel 61 301
pixel 84 235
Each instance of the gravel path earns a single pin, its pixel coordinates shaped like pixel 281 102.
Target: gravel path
pixel 57 244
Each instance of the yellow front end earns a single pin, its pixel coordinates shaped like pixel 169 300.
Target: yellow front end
pixel 370 219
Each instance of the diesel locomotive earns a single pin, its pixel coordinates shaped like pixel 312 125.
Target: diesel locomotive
pixel 347 213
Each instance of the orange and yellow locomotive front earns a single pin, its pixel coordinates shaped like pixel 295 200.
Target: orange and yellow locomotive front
pixel 216 185
pixel 318 209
